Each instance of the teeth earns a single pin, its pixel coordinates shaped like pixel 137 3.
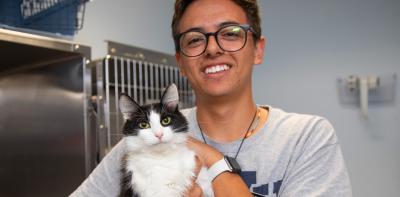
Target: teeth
pixel 217 68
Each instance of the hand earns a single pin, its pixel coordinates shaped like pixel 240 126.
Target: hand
pixel 205 156
pixel 226 184
pixel 195 190
pixel 205 153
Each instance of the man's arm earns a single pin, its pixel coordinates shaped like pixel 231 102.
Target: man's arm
pixel 227 183
pixel 105 179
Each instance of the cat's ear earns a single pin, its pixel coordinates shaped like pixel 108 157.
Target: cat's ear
pixel 170 98
pixel 127 105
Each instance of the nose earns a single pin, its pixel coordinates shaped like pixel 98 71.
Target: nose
pixel 212 46
pixel 159 134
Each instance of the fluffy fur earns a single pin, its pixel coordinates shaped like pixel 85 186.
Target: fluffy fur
pixel 157 161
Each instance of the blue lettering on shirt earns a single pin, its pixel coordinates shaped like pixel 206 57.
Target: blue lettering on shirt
pixel 250 178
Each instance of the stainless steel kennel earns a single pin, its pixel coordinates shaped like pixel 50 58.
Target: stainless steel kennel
pixel 142 74
pixel 59 115
pixel 46 144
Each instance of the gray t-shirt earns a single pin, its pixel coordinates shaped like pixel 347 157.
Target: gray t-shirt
pixel 292 155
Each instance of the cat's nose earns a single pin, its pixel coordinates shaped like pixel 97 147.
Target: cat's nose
pixel 159 135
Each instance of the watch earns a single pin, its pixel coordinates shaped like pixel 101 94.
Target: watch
pixel 225 164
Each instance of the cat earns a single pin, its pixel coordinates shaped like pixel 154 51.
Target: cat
pixel 157 162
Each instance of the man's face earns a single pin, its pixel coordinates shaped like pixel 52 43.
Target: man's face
pixel 217 72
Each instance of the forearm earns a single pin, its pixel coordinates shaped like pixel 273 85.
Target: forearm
pixel 226 183
pixel 230 184
pixel 105 179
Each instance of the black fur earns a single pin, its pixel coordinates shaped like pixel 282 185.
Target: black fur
pixel 131 126
pixel 126 189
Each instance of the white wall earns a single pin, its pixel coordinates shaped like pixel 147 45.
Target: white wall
pixel 142 23
pixel 310 44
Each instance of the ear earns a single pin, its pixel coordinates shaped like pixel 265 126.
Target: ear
pixel 181 68
pixel 259 53
pixel 127 105
pixel 170 98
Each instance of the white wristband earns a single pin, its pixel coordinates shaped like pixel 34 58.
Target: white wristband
pixel 218 168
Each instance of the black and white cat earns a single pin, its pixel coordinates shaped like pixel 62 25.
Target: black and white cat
pixel 157 162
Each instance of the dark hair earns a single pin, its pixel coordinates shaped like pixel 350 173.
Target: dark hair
pixel 250 7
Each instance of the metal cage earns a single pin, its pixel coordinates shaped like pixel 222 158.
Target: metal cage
pixel 140 73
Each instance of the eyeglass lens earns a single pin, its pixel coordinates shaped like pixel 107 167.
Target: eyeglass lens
pixel 230 38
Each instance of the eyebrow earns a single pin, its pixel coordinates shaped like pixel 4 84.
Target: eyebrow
pixel 227 23
pixel 223 24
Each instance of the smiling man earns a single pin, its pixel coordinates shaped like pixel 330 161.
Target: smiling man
pixel 249 149
pixel 216 50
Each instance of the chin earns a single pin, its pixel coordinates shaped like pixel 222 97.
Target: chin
pixel 217 90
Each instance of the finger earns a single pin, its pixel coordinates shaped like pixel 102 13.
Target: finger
pixel 197 170
pixel 191 142
pixel 198 166
pixel 194 191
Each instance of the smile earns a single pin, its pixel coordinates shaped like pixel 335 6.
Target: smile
pixel 216 69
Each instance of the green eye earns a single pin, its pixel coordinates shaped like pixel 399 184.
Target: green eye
pixel 144 125
pixel 166 121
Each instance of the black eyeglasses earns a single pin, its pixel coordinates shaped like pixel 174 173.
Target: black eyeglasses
pixel 229 38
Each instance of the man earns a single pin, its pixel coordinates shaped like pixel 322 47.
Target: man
pixel 280 154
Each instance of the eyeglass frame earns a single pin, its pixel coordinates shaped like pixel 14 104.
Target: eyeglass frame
pixel 245 27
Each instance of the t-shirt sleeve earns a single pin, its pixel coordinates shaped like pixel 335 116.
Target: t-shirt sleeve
pixel 106 177
pixel 317 167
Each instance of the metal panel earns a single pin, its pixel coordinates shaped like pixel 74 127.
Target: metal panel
pixel 46 147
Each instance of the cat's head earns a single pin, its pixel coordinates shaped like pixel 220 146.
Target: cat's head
pixel 154 124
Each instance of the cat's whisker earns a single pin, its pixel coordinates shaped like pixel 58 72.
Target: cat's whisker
pixel 180 128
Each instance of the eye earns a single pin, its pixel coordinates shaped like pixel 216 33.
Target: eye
pixel 232 33
pixel 166 121
pixel 193 39
pixel 144 125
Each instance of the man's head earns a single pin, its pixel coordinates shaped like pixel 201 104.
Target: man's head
pixel 218 46
pixel 250 7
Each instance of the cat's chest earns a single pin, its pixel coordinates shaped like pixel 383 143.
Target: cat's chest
pixel 161 174
pixel 152 164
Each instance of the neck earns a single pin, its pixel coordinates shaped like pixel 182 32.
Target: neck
pixel 228 120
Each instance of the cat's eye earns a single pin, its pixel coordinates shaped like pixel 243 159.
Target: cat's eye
pixel 144 125
pixel 166 121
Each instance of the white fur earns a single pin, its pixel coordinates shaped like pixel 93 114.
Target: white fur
pixel 162 167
